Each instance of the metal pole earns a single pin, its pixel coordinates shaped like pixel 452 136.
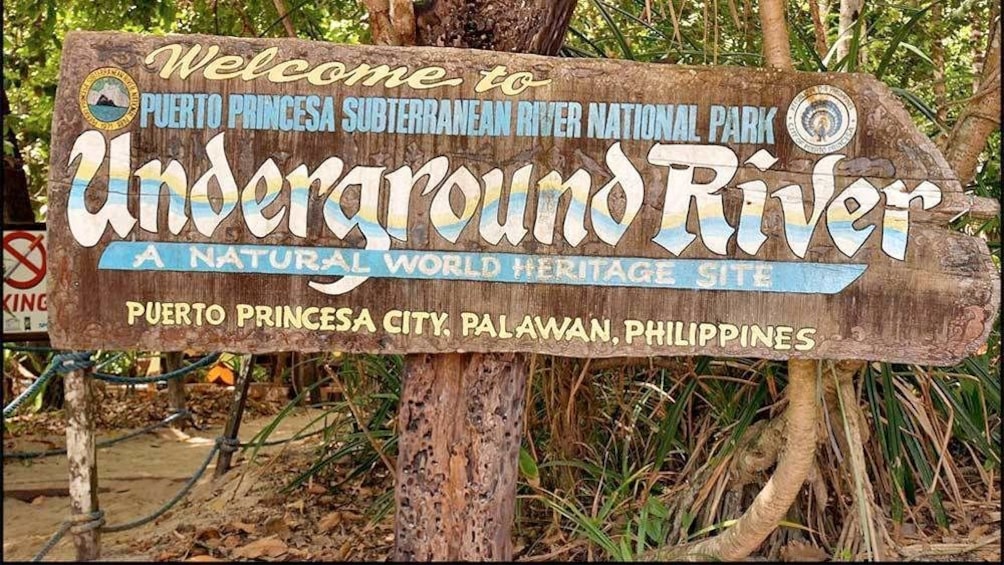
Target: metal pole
pixel 236 414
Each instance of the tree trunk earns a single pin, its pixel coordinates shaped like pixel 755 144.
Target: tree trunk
pixel 938 58
pixel 981 117
pixel 818 9
pixel 776 49
pixel 461 414
pixel 16 200
pixel 798 455
pixel 850 10
pixel 458 456
pixel 518 26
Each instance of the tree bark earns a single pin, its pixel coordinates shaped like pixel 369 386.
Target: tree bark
pixel 938 58
pixel 980 118
pixel 850 10
pixel 82 457
pixel 458 456
pixel 518 26
pixel 461 414
pixel 776 48
pixel 16 199
pixel 818 9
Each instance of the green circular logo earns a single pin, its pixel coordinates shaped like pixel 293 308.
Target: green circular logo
pixel 109 98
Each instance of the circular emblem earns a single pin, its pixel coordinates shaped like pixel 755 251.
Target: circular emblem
pixel 109 98
pixel 822 119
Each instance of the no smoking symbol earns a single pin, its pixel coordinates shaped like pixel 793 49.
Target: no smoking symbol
pixel 29 268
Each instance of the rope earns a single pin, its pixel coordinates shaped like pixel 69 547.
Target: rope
pixel 65 362
pixel 84 523
pixel 72 361
pixel 181 414
pixel 61 363
pixel 29 392
pixel 77 524
pixel 207 360
pixel 53 540
pixel 229 444
pixel 170 503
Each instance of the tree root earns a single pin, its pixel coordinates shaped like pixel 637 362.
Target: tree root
pixel 772 503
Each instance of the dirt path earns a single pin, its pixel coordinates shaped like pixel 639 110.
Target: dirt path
pixel 135 478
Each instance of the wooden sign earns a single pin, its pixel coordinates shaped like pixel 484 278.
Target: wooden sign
pixel 263 195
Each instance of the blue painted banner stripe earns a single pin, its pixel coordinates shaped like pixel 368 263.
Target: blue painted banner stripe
pixel 637 272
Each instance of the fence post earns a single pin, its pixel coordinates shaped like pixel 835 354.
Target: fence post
pixel 236 414
pixel 304 374
pixel 83 460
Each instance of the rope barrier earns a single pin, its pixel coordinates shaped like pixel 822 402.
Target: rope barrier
pixel 207 360
pixel 61 363
pixel 53 540
pixel 86 522
pixel 170 503
pixel 181 414
pixel 77 524
pixel 29 392
pixel 65 362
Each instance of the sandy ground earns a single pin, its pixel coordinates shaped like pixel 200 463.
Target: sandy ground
pixel 135 477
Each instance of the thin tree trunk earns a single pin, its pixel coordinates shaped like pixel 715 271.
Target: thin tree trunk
pixel 776 49
pixel 798 455
pixel 16 200
pixel 772 503
pixel 938 58
pixel 818 9
pixel 287 23
pixel 980 118
pixel 850 10
pixel 976 41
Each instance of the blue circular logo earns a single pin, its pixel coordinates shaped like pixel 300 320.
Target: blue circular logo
pixel 822 119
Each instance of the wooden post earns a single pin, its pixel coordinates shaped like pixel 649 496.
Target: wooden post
pixel 304 374
pixel 83 459
pixel 175 387
pixel 236 414
pixel 458 456
pixel 460 414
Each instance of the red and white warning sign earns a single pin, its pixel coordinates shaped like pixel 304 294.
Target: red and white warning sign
pixel 24 282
